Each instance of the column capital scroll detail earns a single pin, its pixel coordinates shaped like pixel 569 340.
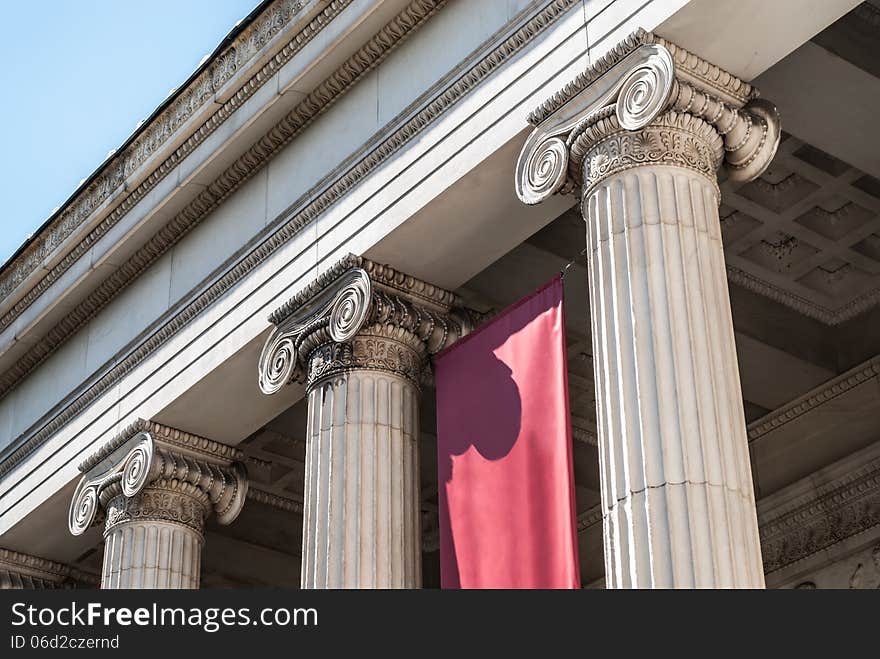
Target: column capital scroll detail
pixel 153 472
pixel 637 105
pixel 360 315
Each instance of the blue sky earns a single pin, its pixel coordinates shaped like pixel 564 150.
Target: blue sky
pixel 77 77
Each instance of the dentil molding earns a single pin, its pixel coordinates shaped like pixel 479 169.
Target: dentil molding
pixel 242 169
pixel 819 396
pixel 287 504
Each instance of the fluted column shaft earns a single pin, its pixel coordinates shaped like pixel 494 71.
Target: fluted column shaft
pixel 153 540
pixel 641 135
pixel 679 508
pixel 361 504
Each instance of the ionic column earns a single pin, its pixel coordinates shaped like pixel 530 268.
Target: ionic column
pixel 652 126
pixel 359 338
pixel 155 486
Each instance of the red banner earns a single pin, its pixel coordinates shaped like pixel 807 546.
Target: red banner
pixel 506 486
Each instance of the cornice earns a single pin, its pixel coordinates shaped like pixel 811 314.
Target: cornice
pixel 136 472
pixel 162 130
pixel 287 504
pixel 313 105
pixel 359 315
pixel 724 85
pixel 435 106
pixel 43 573
pixel 812 399
pixel 47 569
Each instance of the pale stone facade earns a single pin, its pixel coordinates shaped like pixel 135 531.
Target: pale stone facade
pixel 210 377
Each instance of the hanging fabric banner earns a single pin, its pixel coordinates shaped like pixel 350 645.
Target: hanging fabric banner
pixel 506 486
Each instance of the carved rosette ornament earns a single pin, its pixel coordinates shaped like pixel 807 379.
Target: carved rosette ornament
pixel 154 487
pixel 360 315
pixel 646 102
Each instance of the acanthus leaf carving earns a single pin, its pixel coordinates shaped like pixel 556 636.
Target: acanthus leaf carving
pixel 158 504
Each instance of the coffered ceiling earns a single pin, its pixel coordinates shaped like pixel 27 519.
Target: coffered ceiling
pixel 806 234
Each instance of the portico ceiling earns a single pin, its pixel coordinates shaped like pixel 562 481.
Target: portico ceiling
pixel 806 234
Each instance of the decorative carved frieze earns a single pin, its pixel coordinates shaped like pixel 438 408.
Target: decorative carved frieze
pixel 815 521
pixel 646 102
pixel 161 503
pixel 151 472
pixel 672 139
pixel 434 107
pixel 360 315
pixel 19 570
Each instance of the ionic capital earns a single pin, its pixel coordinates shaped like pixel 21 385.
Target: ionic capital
pixel 360 315
pixel 151 472
pixel 646 102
